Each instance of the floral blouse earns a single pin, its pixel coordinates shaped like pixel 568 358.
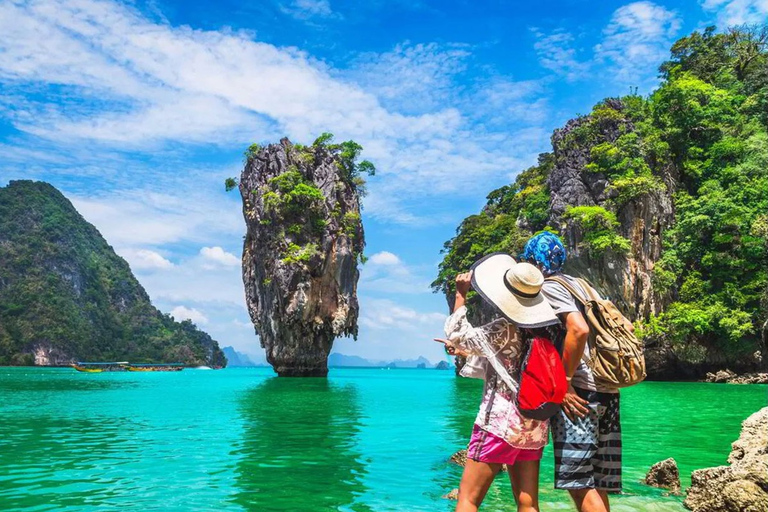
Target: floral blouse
pixel 500 344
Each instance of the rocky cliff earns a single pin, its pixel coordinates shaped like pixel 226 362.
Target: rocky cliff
pixel 65 295
pixel 662 204
pixel 304 239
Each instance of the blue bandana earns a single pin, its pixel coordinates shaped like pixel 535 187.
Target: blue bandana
pixel 545 250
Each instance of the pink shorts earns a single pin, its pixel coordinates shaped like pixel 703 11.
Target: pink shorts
pixel 486 447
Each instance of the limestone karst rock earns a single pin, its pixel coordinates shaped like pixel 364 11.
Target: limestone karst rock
pixel 743 485
pixel 65 295
pixel 304 239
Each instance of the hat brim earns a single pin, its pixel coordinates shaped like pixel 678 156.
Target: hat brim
pixel 488 280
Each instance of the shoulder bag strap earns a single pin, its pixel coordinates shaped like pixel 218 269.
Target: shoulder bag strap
pixel 569 287
pixel 591 292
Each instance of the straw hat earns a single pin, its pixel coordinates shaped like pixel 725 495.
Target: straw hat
pixel 514 289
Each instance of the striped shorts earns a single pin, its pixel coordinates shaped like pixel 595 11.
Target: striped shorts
pixel 588 450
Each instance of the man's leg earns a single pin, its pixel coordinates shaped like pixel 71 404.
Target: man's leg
pixel 475 482
pixel 590 500
pixel 576 447
pixel 607 463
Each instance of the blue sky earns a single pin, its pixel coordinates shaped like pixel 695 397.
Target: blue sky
pixel 137 111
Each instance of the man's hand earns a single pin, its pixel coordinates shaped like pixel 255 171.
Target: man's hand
pixel 450 349
pixel 463 283
pixel 573 405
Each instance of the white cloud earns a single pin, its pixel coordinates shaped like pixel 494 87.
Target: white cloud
pixel 184 313
pixel 146 259
pixel 557 53
pixel 219 255
pixel 128 83
pixel 384 258
pixel 637 39
pixel 308 9
pixel 387 314
pixel 737 12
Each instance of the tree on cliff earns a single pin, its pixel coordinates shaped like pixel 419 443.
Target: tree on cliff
pixel 671 189
pixel 65 295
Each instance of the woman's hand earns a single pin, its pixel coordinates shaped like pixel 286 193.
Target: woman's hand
pixel 450 349
pixel 463 283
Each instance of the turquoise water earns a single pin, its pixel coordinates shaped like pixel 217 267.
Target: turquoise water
pixel 362 440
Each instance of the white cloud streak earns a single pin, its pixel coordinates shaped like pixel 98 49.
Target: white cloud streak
pixel 184 313
pixel 737 12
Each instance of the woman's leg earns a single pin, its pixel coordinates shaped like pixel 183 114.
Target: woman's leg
pixel 477 478
pixel 524 476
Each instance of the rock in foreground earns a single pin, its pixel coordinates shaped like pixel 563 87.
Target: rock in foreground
pixel 665 475
pixel 303 241
pixel 742 486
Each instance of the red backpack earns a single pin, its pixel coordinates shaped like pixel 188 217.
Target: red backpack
pixel 541 381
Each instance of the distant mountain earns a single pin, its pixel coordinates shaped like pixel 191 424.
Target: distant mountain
pixel 236 359
pixel 336 360
pixel 66 296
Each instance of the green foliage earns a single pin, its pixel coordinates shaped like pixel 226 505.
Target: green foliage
pixel 348 153
pixel 251 152
pixel 600 229
pixel 497 227
pixel 64 287
pixel 230 184
pixel 298 254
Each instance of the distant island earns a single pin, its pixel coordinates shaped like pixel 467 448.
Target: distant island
pixel 66 296
pixel 336 360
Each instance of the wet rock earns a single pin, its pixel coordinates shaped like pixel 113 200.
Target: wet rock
pixel 303 241
pixel 729 377
pixel 743 485
pixel 665 475
pixel 750 378
pixel 720 376
pixel 453 495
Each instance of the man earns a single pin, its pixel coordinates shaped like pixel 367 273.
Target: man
pixel 587 431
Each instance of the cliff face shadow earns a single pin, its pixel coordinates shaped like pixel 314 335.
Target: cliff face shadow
pixel 300 441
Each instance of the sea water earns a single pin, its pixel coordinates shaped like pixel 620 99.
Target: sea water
pixel 362 440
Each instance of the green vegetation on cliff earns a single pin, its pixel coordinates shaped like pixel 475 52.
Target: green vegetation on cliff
pixel 66 295
pixel 701 138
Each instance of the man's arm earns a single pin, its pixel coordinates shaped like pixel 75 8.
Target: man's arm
pixel 576 334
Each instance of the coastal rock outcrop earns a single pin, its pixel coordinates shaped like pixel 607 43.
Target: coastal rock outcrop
pixel 65 295
pixel 743 485
pixel 302 246
pixel 729 377
pixel 665 475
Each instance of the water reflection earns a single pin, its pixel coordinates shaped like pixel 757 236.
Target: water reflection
pixel 300 441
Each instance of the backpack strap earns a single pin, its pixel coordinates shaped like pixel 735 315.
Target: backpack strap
pixel 571 289
pixel 591 292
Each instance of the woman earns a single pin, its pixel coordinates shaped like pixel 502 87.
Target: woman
pixel 501 435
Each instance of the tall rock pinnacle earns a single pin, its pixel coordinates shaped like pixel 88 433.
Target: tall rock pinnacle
pixel 304 238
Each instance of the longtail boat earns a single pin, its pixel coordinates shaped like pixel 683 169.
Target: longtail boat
pixel 152 367
pixel 85 367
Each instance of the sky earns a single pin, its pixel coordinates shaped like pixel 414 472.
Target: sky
pixel 138 111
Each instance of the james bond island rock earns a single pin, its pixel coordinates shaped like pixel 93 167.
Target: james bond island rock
pixel 662 204
pixel 66 296
pixel 302 246
pixel 743 485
